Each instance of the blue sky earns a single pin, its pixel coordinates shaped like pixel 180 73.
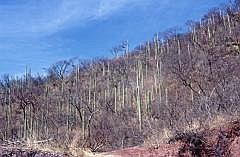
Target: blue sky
pixel 38 33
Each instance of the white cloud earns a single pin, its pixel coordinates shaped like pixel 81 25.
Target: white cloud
pixel 108 6
pixel 45 16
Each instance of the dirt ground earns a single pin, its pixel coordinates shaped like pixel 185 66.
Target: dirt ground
pixel 219 142
pixel 223 141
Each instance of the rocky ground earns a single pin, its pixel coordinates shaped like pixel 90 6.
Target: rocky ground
pixel 20 152
pixel 219 142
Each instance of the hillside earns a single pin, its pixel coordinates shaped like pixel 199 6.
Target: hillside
pixel 174 84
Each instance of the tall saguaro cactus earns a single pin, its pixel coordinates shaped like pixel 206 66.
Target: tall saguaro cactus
pixel 156 46
pixel 229 24
pixel 115 99
pixel 139 106
pixel 179 53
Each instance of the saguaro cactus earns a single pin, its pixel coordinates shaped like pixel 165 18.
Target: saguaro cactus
pixel 179 53
pixel 115 99
pixel 229 24
pixel 139 106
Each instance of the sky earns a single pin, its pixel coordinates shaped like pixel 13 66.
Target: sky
pixel 38 33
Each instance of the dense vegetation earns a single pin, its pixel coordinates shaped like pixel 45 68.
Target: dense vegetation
pixel 175 83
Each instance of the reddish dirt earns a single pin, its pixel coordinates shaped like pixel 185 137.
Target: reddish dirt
pixel 235 148
pixel 219 142
pixel 162 151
